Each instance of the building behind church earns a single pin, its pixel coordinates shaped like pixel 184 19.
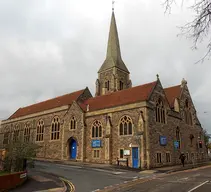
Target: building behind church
pixel 149 125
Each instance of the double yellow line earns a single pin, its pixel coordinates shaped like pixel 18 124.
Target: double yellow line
pixel 72 187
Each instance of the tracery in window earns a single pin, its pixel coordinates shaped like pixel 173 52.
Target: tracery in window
pixel 40 130
pixel 26 136
pixel 160 112
pixel 55 128
pixel 97 129
pixel 73 123
pixel 125 126
pixel 16 133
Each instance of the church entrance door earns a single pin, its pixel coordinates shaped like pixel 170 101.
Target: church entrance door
pixel 73 148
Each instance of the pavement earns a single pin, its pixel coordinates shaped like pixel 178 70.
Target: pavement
pixel 197 180
pixel 40 182
pixel 86 177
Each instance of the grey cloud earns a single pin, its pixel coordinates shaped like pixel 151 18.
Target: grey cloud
pixel 49 48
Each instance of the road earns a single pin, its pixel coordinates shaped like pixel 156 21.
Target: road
pixel 87 179
pixel 198 180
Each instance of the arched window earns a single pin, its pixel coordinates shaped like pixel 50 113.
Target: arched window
pixel 26 135
pixel 40 130
pixel 97 129
pixel 121 85
pixel 73 123
pixel 16 133
pixel 160 112
pixel 187 113
pixel 55 128
pixel 125 126
pixel 178 139
pixel 6 136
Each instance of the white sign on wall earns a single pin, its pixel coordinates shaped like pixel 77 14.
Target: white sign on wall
pixel 22 175
pixel 126 152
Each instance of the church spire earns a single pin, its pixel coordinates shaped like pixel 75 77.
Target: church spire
pixel 113 56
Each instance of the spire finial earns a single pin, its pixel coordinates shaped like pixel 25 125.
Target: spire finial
pixel 113 5
pixel 157 77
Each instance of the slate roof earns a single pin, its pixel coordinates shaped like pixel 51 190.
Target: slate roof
pixel 123 97
pixel 172 93
pixel 48 104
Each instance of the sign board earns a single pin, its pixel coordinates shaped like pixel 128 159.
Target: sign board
pixel 22 175
pixel 96 143
pixel 176 144
pixel 163 140
pixel 126 152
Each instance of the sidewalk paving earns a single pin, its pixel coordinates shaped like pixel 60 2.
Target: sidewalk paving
pixel 166 169
pixel 40 182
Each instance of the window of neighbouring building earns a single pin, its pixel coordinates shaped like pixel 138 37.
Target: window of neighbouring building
pixel 158 158
pixel 55 128
pixel 97 129
pixel 40 130
pixel 96 153
pixel 125 126
pixel 73 123
pixel 160 112
pixel 121 153
pixel 168 157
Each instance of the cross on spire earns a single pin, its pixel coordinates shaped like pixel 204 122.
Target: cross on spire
pixel 113 5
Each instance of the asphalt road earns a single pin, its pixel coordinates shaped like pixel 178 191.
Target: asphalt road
pixel 86 179
pixel 198 180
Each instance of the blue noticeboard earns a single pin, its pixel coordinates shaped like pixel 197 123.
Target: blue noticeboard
pixel 96 143
pixel 163 140
pixel 176 144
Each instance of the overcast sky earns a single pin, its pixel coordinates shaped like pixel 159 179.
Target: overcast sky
pixel 50 47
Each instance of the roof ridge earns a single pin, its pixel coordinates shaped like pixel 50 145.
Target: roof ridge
pixel 113 93
pixel 172 87
pixel 51 99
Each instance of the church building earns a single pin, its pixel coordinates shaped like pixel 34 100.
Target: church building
pixel 147 125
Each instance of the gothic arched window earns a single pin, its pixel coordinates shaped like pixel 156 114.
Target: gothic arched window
pixel 55 128
pixel 160 112
pixel 40 130
pixel 178 138
pixel 97 129
pixel 26 136
pixel 125 126
pixel 73 123
pixel 6 136
pixel 187 113
pixel 16 133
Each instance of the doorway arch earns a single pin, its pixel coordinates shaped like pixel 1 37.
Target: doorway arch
pixel 72 148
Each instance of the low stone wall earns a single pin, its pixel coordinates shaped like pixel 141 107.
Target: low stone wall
pixel 12 180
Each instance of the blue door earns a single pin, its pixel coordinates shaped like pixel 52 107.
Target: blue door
pixel 135 159
pixel 73 149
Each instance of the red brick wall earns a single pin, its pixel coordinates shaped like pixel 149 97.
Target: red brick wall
pixel 11 180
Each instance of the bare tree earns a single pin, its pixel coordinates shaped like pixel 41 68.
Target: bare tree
pixel 199 27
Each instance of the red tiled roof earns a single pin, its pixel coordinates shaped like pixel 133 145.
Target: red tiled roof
pixel 123 97
pixel 172 93
pixel 48 104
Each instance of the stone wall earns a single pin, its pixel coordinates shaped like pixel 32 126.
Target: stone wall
pixel 173 120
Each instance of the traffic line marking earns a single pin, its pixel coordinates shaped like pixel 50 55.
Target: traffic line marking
pixel 198 186
pixel 72 187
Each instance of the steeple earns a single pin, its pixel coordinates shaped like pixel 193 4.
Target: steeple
pixel 113 56
pixel 113 74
